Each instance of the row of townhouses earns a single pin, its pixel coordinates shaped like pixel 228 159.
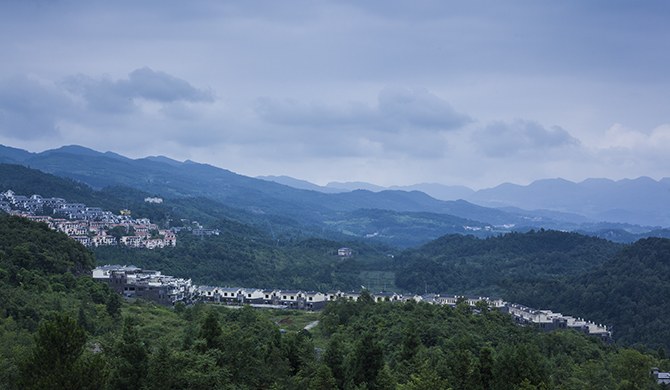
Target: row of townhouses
pixel 548 320
pixel 135 282
pixel 88 225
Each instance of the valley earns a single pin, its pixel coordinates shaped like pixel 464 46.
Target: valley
pixel 392 253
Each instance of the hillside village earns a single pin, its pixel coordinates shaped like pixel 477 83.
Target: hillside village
pixel 90 226
pixel 134 282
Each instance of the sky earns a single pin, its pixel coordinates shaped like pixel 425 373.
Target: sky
pixel 472 93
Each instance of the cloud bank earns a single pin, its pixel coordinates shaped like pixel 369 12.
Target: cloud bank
pixel 391 93
pixel 119 96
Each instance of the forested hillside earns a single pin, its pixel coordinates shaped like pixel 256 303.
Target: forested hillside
pixel 174 179
pixel 465 264
pixel 394 228
pixel 404 229
pixel 629 292
pixel 61 330
pixel 419 346
pixel 172 212
pixel 45 276
pixel 623 286
pixel 242 258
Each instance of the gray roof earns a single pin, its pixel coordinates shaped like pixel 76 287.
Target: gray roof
pixel 291 291
pixel 230 289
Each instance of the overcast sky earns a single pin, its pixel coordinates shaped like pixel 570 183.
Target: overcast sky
pixel 390 92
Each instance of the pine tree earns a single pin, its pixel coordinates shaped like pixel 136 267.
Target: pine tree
pixel 131 359
pixel 55 361
pixel 210 331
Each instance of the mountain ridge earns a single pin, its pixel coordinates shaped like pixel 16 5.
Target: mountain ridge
pixel 637 201
pixel 195 179
pixel 166 177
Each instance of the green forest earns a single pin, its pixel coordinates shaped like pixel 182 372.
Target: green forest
pixel 236 259
pixel 630 292
pixel 614 284
pixel 468 265
pixel 59 329
pixel 624 286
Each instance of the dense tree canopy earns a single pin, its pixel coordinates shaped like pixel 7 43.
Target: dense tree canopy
pixel 60 329
pixel 629 292
pixel 465 264
pixel 236 258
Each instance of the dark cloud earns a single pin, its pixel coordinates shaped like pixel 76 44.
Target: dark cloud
pixel 101 95
pixel 117 96
pixel 396 109
pixel 403 123
pixel 502 139
pixel 162 87
pixel 28 108
pixel 419 108
pixel 31 109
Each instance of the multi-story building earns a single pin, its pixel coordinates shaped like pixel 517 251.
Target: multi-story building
pixel 134 282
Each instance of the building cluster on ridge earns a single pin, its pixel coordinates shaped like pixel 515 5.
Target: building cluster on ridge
pixel 134 282
pixel 90 226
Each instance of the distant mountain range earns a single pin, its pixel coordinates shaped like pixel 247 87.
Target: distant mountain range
pixel 642 201
pixel 411 216
pixel 437 191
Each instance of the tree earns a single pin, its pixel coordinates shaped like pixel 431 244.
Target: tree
pixel 385 379
pixel 485 368
pixel 334 358
pixel 322 379
pixel 631 370
pixel 461 367
pixel 118 232
pixel 210 331
pixel 515 364
pixel 82 317
pixel 426 379
pixel 298 349
pixel 410 343
pixel 162 371
pixel 366 361
pixel 56 361
pixel 113 304
pixel 131 359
